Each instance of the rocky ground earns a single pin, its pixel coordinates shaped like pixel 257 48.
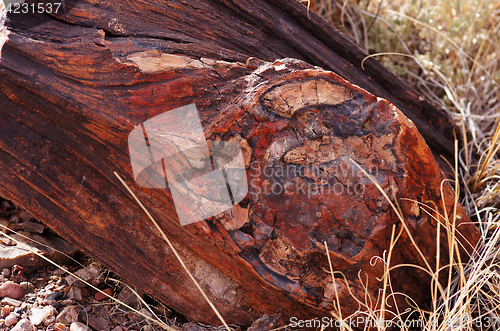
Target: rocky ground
pixel 37 295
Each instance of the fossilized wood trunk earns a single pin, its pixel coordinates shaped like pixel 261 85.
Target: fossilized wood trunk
pixel 72 93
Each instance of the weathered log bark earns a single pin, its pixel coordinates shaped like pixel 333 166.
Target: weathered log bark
pixel 72 90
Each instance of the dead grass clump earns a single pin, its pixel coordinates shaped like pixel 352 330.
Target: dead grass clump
pixel 451 51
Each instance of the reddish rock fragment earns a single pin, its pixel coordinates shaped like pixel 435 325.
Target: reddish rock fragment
pixel 6 311
pixel 102 296
pixel 11 290
pixel 60 327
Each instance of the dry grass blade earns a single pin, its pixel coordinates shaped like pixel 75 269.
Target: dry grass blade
pixel 337 314
pixel 446 313
pixel 384 53
pixel 398 212
pixel 488 165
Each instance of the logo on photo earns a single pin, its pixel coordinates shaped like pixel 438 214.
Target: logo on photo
pixel 204 178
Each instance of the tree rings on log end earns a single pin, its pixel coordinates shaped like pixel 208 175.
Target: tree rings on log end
pixel 317 145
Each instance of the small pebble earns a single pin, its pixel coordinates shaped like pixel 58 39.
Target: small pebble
pixel 5 205
pixel 132 316
pixel 18 310
pixel 194 327
pixel 48 321
pixel 68 315
pixel 61 288
pixel 120 319
pixel 118 328
pixel 38 315
pixel 101 296
pixel 60 271
pixel 77 326
pixel 146 312
pixel 6 272
pixel 54 296
pixel 25 285
pixel 75 293
pixel 57 305
pixel 23 325
pixel 11 302
pixel 6 311
pixel 33 227
pixel 11 319
pixel 67 302
pixel 14 219
pixel 98 323
pixel 24 216
pixel 60 327
pixel 128 297
pixel 11 290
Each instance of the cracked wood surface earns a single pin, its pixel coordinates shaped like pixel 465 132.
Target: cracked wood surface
pixel 72 89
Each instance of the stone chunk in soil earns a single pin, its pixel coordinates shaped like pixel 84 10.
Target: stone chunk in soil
pixel 54 296
pixel 38 315
pixel 23 325
pixel 68 315
pixel 11 290
pixel 74 293
pixel 99 296
pixel 77 326
pixel 192 327
pixel 100 321
pixel 120 319
pixel 6 311
pixel 60 327
pixel 128 297
pixel 265 323
pixel 91 274
pixel 11 302
pixel 21 255
pixel 33 227
pixel 11 319
pixel 24 216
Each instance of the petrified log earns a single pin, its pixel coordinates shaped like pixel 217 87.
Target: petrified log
pixel 71 96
